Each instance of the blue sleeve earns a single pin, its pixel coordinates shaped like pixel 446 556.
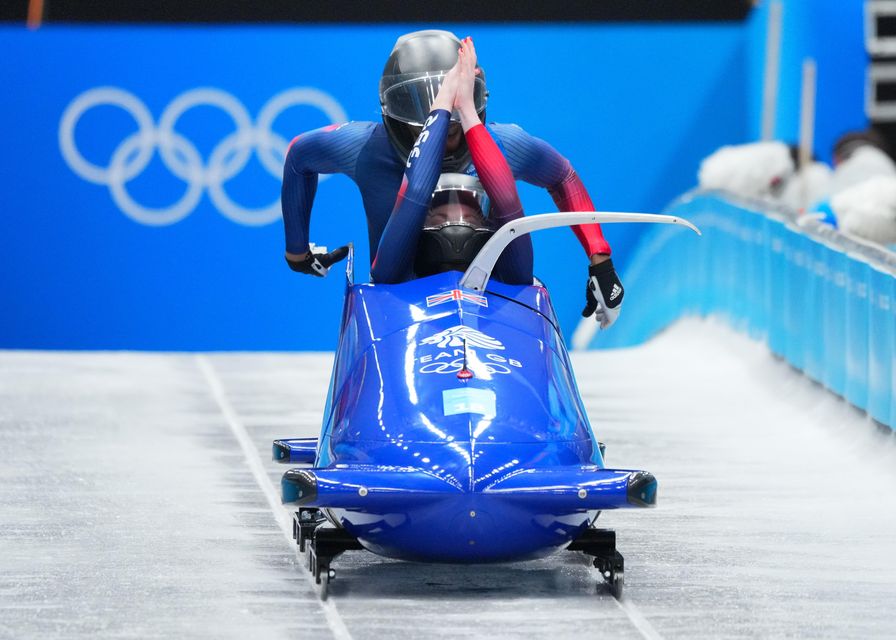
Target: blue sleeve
pixel 332 149
pixel 532 159
pixel 394 261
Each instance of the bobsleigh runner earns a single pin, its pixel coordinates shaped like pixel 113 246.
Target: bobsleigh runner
pixel 454 430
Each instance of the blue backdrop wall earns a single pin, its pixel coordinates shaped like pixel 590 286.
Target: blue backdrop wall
pixel 832 33
pixel 109 243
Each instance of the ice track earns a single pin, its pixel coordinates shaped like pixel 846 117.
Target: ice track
pixel 136 491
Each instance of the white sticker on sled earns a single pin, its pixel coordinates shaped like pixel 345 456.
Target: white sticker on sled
pixel 468 400
pixel 457 335
pixel 451 358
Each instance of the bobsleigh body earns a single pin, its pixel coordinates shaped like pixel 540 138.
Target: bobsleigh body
pixel 454 430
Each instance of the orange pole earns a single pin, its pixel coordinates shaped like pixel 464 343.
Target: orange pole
pixel 35 13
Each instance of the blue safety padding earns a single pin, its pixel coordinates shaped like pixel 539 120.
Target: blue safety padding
pixel 880 345
pixel 858 282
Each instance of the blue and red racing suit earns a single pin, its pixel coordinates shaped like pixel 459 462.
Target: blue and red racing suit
pixel 363 152
pixel 394 259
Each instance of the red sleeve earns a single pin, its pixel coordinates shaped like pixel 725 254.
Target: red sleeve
pixel 571 195
pixel 495 174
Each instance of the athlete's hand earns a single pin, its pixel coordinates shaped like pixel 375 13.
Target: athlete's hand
pixel 448 89
pixel 463 101
pixel 603 293
pixel 316 263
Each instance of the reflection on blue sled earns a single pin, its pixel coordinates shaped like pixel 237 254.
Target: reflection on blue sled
pixel 454 430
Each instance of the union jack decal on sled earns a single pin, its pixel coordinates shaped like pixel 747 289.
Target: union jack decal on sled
pixel 456 294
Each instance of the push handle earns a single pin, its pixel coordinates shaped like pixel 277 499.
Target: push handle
pixel 480 270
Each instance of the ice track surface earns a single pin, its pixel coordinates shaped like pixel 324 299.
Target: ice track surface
pixel 136 495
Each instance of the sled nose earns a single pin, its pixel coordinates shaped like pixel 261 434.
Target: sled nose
pixel 472 526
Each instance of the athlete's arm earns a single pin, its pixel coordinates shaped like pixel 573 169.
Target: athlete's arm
pixel 394 260
pixel 515 264
pixel 538 163
pixel 332 149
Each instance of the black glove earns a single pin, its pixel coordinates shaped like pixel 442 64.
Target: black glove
pixel 603 293
pixel 317 262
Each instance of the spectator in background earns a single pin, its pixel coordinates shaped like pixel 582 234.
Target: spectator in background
pixel 863 188
pixel 868 209
pixel 858 156
pixel 755 170
pixel 765 170
pixel 858 196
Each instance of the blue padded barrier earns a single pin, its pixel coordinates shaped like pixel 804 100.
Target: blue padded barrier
pixel 880 348
pixel 823 301
pixel 858 282
pixel 777 289
pixel 834 303
pixel 812 337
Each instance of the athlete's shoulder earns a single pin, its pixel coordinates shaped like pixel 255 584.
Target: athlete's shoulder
pixel 330 149
pixel 379 154
pixel 530 158
pixel 517 138
pixel 507 130
pixel 355 125
pixel 350 129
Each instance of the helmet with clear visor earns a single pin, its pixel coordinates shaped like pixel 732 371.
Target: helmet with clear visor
pixel 410 82
pixel 456 225
pixel 409 97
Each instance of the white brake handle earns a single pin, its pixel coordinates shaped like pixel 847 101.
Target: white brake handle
pixel 480 270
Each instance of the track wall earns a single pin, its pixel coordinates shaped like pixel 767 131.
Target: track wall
pixel 821 301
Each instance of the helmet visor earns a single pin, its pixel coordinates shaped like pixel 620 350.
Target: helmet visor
pixel 457 207
pixel 409 97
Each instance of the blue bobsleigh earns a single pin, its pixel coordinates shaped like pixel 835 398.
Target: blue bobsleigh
pixel 454 430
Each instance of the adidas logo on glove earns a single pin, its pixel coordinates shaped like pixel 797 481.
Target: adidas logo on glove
pixel 615 292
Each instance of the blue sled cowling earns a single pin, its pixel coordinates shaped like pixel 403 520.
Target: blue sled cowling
pixel 454 430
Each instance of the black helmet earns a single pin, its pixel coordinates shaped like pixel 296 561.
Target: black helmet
pixel 409 84
pixel 456 226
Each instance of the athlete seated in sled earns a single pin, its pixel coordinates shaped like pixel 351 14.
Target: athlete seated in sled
pixel 440 222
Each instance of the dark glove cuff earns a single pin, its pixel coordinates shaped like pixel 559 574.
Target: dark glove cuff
pixel 599 269
pixel 610 286
pixel 295 265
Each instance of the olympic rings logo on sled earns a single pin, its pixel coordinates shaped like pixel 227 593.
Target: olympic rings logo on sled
pixel 457 340
pixel 181 157
pixel 441 366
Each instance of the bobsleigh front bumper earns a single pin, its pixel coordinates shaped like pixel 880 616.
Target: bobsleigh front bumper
pixel 410 514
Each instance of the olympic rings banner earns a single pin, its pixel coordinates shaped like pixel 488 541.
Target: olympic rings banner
pixel 181 157
pixel 142 165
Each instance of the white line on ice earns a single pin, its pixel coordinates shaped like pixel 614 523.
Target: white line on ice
pixel 334 619
pixel 641 623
